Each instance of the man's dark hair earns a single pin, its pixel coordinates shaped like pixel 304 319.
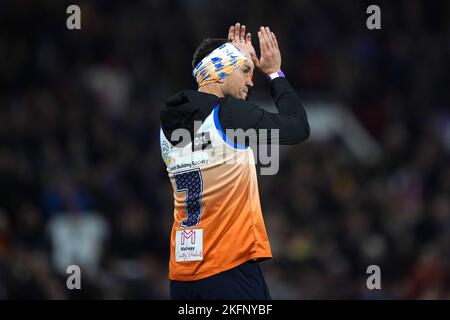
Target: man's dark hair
pixel 206 47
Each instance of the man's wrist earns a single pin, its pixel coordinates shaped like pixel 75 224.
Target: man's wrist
pixel 274 75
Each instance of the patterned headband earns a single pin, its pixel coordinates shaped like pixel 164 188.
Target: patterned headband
pixel 218 64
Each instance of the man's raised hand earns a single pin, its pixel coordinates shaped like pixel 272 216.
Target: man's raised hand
pixel 242 41
pixel 270 60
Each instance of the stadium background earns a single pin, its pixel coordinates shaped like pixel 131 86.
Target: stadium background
pixel 82 180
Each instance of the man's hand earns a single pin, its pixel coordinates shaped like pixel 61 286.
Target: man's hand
pixel 242 41
pixel 270 60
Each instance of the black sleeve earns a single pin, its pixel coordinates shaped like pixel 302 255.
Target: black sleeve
pixel 291 119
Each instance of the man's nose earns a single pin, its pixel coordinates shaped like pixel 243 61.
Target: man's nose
pixel 249 83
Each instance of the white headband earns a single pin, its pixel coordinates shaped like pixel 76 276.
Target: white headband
pixel 218 64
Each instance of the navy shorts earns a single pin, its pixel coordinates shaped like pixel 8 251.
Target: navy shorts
pixel 244 282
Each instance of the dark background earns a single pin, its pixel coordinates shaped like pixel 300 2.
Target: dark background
pixel 82 180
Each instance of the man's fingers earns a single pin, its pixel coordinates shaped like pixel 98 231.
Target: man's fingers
pixel 248 38
pixel 242 35
pixel 262 44
pixel 270 43
pixel 270 35
pixel 265 40
pixel 237 30
pixel 274 38
pixel 231 33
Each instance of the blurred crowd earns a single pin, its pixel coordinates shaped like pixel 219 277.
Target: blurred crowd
pixel 82 181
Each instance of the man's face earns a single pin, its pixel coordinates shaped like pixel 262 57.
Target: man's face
pixel 238 83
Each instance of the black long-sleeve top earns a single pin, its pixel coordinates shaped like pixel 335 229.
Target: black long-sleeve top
pixel 185 107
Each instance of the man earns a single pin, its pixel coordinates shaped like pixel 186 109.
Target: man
pixel 218 236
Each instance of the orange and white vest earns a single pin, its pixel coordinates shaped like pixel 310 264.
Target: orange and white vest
pixel 218 223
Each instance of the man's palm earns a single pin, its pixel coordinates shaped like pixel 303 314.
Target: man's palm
pixel 243 41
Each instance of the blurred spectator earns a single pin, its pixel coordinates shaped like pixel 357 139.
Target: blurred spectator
pixel 77 238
